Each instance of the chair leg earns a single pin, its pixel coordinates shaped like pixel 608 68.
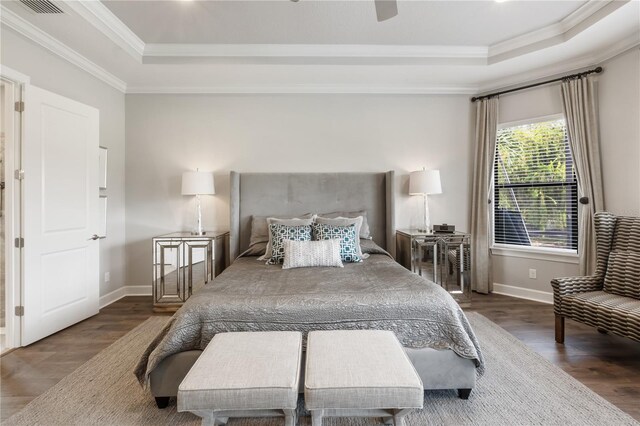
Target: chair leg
pixel 559 329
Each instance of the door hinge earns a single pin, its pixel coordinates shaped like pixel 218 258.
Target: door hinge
pixel 19 311
pixel 19 242
pixel 19 174
pixel 19 106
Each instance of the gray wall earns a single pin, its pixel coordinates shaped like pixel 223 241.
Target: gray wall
pixel 168 134
pixel 620 133
pixel 52 73
pixel 619 107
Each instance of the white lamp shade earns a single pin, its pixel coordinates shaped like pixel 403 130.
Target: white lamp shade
pixel 198 183
pixel 425 182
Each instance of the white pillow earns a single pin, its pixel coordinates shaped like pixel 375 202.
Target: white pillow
pixel 364 229
pixel 303 254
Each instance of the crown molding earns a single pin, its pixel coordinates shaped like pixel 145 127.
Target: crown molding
pixel 307 89
pixel 556 33
pixel 315 53
pixel 13 75
pixel 628 43
pixel 105 21
pixel 30 31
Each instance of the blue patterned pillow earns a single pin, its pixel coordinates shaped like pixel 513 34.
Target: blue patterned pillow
pixel 280 233
pixel 346 234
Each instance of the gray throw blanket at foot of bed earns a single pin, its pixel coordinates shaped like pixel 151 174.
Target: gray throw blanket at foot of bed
pixel 377 293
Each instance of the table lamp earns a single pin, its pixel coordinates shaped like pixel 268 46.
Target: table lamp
pixel 424 182
pixel 198 183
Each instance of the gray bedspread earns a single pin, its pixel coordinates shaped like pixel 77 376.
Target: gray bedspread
pixel 375 294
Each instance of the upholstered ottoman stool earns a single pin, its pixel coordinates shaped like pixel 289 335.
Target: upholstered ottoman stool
pixel 244 375
pixel 359 373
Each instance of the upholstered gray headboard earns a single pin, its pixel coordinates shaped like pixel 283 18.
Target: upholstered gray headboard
pixel 264 194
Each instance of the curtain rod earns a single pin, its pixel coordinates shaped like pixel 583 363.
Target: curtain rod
pixel 597 70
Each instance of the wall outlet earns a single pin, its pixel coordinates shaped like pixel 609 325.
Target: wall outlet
pixel 107 277
pixel 532 274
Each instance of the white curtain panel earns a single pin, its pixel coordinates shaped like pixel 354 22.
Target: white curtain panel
pixel 486 127
pixel 580 101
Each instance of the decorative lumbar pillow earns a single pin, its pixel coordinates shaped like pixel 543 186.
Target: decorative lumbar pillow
pixel 280 233
pixel 364 229
pixel 345 221
pixel 288 222
pixel 346 234
pixel 303 254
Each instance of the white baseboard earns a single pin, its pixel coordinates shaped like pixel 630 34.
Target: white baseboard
pixel 130 290
pixel 523 293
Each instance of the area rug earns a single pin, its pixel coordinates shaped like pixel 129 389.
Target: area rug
pixel 519 387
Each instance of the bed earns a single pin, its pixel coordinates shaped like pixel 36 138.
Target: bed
pixel 377 293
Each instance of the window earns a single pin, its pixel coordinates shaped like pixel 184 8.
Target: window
pixel 535 188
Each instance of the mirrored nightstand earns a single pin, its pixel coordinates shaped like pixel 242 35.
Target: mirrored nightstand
pixel 184 263
pixel 444 258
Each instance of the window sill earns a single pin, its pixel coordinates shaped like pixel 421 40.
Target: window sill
pixel 549 255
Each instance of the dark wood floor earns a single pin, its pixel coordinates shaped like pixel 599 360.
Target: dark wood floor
pixel 607 364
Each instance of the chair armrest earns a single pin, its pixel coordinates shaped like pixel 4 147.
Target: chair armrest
pixel 571 285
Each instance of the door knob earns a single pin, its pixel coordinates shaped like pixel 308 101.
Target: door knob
pixel 96 237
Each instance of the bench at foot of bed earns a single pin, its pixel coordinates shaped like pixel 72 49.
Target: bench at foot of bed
pixel 438 369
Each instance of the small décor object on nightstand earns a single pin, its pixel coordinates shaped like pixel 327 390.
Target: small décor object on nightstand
pixel 184 263
pixel 424 182
pixel 442 257
pixel 444 229
pixel 198 183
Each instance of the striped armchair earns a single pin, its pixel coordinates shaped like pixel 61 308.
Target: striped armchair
pixel 610 299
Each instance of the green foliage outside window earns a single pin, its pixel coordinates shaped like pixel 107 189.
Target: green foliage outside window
pixel 537 154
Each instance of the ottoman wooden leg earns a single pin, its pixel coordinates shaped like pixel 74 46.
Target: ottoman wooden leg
pixel 209 418
pixel 289 417
pixel 316 418
pixel 398 417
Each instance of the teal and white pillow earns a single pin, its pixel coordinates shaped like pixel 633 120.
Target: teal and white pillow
pixel 348 236
pixel 279 233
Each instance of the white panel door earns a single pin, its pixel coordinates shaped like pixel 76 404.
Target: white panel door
pixel 60 163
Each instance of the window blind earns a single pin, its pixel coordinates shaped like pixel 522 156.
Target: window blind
pixel 535 188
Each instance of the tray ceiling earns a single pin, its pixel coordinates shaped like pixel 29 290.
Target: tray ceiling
pixel 178 46
pixel 449 23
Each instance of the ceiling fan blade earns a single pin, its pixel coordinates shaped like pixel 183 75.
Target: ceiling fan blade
pixel 386 9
